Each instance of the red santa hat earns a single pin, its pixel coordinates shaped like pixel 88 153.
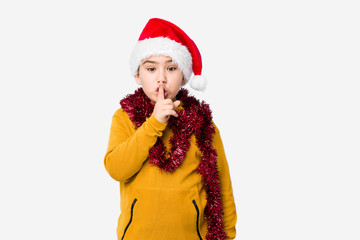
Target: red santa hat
pixel 160 37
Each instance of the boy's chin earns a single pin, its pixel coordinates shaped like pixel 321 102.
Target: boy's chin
pixel 153 101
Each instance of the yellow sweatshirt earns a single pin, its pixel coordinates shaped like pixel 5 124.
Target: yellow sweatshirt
pixel 158 205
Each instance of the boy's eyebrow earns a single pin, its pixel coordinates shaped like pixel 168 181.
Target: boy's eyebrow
pixel 153 62
pixel 148 61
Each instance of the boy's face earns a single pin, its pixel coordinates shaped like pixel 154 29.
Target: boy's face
pixel 157 70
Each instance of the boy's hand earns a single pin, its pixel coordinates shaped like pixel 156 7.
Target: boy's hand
pixel 164 108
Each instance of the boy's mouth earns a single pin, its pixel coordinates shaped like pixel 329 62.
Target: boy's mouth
pixel 165 92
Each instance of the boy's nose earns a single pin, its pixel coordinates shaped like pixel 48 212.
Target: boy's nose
pixel 162 77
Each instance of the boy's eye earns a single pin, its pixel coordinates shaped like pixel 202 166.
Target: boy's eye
pixel 151 69
pixel 172 68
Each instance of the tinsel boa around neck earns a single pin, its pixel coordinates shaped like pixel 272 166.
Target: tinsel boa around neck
pixel 195 118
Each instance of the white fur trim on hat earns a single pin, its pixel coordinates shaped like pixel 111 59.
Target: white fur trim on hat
pixel 162 46
pixel 198 82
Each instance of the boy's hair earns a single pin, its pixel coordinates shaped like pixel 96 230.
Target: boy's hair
pixel 161 37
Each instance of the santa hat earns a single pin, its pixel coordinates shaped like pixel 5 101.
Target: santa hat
pixel 160 37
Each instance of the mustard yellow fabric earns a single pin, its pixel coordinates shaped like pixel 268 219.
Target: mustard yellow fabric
pixel 155 205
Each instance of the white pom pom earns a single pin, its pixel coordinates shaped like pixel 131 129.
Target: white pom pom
pixel 198 82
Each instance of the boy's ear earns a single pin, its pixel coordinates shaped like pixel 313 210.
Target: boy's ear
pixel 137 78
pixel 183 82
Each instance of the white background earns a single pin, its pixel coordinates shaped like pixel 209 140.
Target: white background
pixel 283 84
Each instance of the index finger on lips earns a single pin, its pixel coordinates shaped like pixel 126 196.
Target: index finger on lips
pixel 161 92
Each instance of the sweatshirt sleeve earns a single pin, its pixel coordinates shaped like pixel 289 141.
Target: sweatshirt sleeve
pixel 229 208
pixel 128 148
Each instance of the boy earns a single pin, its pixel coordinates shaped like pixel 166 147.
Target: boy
pixel 164 148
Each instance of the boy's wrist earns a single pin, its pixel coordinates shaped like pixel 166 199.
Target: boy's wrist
pixel 160 126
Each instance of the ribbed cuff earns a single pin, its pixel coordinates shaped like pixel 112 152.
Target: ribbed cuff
pixel 156 124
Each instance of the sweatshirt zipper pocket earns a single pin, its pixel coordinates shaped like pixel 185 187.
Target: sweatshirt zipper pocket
pixel 127 226
pixel 197 218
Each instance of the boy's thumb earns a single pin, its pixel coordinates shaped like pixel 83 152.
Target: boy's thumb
pixel 177 103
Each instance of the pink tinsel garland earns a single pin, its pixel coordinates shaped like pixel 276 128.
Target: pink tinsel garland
pixel 195 118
